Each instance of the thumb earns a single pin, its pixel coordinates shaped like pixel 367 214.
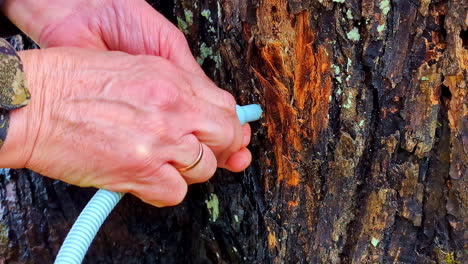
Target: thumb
pixel 145 31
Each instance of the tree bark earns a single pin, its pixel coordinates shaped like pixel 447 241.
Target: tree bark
pixel 361 156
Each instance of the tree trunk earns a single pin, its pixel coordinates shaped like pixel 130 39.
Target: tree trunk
pixel 361 156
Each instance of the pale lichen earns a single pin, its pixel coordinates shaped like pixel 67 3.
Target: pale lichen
pixel 385 6
pixel 339 92
pixel 336 69
pixel 182 25
pixel 217 59
pixel 188 17
pixel 349 14
pixel 354 34
pixel 205 52
pixel 348 64
pixel 381 28
pixel 375 242
pixel 349 101
pixel 206 13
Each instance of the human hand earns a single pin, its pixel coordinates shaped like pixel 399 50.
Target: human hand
pixel 131 26
pixel 122 123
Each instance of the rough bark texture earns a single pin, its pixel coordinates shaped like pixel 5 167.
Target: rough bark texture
pixel 361 156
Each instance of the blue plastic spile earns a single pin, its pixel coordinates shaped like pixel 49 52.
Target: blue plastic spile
pixel 249 113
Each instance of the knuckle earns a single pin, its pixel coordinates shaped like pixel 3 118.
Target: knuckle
pixel 228 100
pixel 229 133
pixel 166 94
pixel 176 193
pixel 211 168
pixel 163 185
pixel 145 63
pixel 179 39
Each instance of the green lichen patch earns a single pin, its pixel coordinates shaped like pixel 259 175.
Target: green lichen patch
pixel 205 52
pixel 381 28
pixel 339 92
pixel 354 35
pixel 188 17
pixel 182 25
pixel 349 101
pixel 213 207
pixel 336 68
pixel 207 14
pixel 349 64
pixel 349 14
pixel 375 242
pixel 385 6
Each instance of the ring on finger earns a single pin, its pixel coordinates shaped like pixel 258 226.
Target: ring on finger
pixel 195 163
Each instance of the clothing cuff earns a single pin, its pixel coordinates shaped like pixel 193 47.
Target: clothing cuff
pixel 14 92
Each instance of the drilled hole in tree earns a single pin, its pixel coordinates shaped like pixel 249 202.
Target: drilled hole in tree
pixel 464 38
pixel 274 9
pixel 445 92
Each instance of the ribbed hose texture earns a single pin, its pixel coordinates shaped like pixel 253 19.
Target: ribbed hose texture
pixel 86 227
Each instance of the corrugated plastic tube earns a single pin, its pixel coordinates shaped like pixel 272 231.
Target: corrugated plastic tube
pixel 103 202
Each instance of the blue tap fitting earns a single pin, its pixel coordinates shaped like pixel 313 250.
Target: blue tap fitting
pixel 248 113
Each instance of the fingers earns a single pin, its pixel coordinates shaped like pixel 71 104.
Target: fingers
pixel 246 131
pixel 165 188
pixel 193 153
pixel 239 161
pixel 145 31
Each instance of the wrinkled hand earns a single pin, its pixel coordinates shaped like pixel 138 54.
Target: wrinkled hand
pixel 124 123
pixel 131 26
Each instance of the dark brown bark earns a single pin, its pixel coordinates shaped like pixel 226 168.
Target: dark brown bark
pixel 361 156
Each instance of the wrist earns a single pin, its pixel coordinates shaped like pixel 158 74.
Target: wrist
pixel 18 144
pixel 14 149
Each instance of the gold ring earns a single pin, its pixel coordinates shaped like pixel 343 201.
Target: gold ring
pixel 195 163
